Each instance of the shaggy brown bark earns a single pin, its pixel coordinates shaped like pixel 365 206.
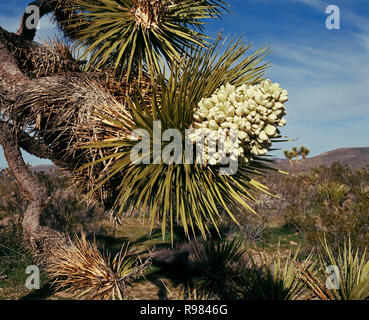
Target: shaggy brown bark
pixel 39 239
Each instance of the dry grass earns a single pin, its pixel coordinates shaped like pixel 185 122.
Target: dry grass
pixel 82 270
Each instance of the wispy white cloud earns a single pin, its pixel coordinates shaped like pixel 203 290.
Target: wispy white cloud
pixel 328 88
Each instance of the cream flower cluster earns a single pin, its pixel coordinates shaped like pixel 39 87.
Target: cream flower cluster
pixel 243 119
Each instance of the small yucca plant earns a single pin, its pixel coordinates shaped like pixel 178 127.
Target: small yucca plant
pixel 273 279
pixel 352 277
pixel 194 294
pixel 219 261
pixel 332 192
pixel 82 270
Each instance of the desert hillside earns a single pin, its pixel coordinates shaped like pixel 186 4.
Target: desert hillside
pixel 355 158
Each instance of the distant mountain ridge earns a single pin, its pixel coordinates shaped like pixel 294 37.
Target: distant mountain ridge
pixel 355 158
pixel 44 168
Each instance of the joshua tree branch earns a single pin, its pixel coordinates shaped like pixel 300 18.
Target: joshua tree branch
pixel 45 7
pixel 32 146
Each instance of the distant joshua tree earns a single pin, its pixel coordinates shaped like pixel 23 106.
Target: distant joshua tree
pixel 289 155
pixel 295 153
pixel 304 152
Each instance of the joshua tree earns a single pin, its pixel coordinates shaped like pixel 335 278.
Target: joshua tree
pixel 296 154
pixel 80 113
pixel 304 152
pixel 289 155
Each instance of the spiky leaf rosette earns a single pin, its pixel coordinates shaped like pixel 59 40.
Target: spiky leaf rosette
pixel 129 35
pixel 188 193
pixel 82 270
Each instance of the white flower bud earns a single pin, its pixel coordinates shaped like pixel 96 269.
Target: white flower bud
pixel 229 89
pixel 197 125
pixel 213 125
pixel 224 125
pixel 208 104
pixel 242 135
pixel 276 95
pixel 222 97
pixel 239 111
pixel 220 117
pixel 214 99
pixel 251 92
pixel 272 118
pixel 234 126
pixel 270 130
pixel 210 115
pixel 282 123
pixel 263 136
pixel 258 98
pixel 230 111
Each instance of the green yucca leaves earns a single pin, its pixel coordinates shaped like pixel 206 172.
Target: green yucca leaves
pixel 190 194
pixel 275 279
pixel 353 271
pixel 342 275
pixel 131 35
pixel 219 261
pixel 332 192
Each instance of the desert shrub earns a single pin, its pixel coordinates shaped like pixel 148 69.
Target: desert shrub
pixel 326 200
pixel 66 210
pixel 338 210
pixel 337 224
pixel 14 258
pixel 332 200
pixel 11 199
pixel 332 194
pixel 250 226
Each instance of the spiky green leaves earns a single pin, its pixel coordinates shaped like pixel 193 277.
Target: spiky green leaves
pixel 193 195
pixel 130 35
pixel 342 275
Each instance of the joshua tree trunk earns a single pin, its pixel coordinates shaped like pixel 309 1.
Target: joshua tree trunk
pixel 35 192
pixel 39 239
pixel 10 75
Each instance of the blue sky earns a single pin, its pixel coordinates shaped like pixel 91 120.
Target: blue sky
pixel 326 72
